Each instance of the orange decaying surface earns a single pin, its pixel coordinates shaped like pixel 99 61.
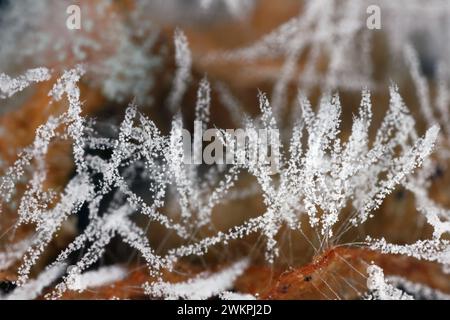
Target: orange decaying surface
pixel 339 273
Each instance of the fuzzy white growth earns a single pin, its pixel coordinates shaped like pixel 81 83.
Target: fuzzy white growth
pixel 234 107
pixel 418 290
pixel 227 295
pixel 201 287
pixel 128 73
pixel 34 288
pixel 380 289
pixel 436 215
pixel 237 8
pixel 96 278
pixel 122 57
pixel 10 86
pixel 13 253
pixel 327 173
pixel 420 83
pixel 431 250
pixel 48 223
pixel 327 26
pixel 202 107
pixel 337 30
pixel 136 146
pixel 319 175
pixel 183 61
pixel 100 232
pixel 443 98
